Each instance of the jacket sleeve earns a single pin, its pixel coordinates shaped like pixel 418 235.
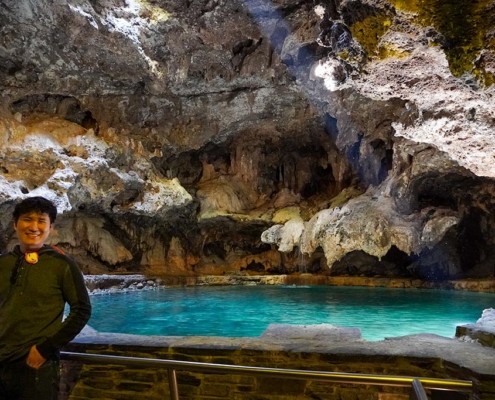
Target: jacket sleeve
pixel 76 295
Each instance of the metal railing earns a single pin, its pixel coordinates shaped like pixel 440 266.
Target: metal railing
pixel 417 384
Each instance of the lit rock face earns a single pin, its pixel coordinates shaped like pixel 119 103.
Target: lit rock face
pixel 218 137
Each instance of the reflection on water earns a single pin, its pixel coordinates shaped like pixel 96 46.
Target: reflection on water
pixel 237 311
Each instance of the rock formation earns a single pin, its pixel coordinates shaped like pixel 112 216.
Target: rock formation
pixel 349 137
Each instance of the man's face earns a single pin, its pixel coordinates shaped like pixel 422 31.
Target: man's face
pixel 33 230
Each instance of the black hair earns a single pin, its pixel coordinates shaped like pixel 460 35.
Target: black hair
pixel 36 204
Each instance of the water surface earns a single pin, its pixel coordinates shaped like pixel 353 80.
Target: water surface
pixel 239 311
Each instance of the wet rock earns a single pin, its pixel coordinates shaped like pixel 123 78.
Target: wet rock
pixel 103 283
pixel 483 331
pixel 323 332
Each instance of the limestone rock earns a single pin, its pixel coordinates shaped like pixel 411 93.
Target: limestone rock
pixel 368 223
pixel 235 137
pixel 487 317
pixel 483 331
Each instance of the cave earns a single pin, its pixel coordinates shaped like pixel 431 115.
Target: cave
pixel 341 143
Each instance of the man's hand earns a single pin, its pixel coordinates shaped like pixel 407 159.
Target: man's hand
pixel 34 358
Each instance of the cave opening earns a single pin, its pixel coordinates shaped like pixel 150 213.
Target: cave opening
pixel 187 167
pixel 471 244
pixel 440 190
pixel 394 264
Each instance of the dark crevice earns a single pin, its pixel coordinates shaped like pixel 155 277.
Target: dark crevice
pixel 68 108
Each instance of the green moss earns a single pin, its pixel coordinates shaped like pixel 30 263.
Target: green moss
pixel 407 5
pixel 464 25
pixel 486 78
pixel 457 21
pixel 369 31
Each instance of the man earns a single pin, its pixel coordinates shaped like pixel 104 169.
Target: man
pixel 36 280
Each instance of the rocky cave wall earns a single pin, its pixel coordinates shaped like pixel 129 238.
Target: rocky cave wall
pixel 343 137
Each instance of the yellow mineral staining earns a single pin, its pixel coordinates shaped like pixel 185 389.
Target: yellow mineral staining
pixel 153 13
pixel 49 125
pixel 344 196
pixel 158 15
pixel 464 24
pixel 369 31
pixel 389 50
pixel 285 214
pixel 486 78
pixel 57 128
pixel 343 54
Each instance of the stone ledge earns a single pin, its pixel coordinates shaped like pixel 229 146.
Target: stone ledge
pixel 467 355
pixel 112 283
pixel 326 332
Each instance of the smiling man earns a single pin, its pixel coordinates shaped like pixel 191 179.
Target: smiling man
pixel 36 281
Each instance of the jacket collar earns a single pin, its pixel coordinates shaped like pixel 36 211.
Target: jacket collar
pixel 17 250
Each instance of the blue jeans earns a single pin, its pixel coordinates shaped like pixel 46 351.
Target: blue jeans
pixel 18 381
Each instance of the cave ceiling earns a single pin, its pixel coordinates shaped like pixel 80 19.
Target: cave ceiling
pixel 227 136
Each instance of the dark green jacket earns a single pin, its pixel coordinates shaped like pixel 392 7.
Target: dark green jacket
pixel 32 308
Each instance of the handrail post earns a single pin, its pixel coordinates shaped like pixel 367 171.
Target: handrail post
pixel 172 384
pixel 418 391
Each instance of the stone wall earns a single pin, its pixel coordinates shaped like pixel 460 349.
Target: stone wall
pixel 417 355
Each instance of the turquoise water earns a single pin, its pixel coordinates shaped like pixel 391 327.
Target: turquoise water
pixel 238 311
